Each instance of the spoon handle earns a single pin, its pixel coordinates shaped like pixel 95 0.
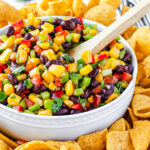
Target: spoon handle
pixel 118 27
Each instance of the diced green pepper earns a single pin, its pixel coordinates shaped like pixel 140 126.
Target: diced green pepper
pixel 123 84
pixel 34 108
pixel 80 66
pixel 48 104
pixel 64 96
pixel 28 112
pixel 23 31
pixel 68 59
pixel 88 36
pixel 85 82
pixel 5 81
pixel 122 53
pixel 23 103
pixel 116 90
pixel 102 84
pixel 3 38
pixel 69 37
pixel 83 101
pixel 28 83
pixel 45 95
pixel 65 78
pixel 75 78
pixel 50 19
pixel 61 48
pixel 32 54
pixel 81 61
pixel 2 96
pixel 86 30
pixel 43 38
pixel 78 92
pixel 18 70
pixel 102 62
pixel 118 38
pixel 10 106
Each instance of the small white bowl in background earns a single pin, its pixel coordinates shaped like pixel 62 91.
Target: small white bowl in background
pixel 32 127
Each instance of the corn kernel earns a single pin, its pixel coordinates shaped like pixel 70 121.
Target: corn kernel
pixel 43 32
pixel 18 40
pixel 91 99
pixel 9 42
pixel 111 97
pixel 59 40
pixel 47 112
pixel 4 57
pixel 63 147
pixel 34 72
pixel 112 63
pixel 22 56
pixel 106 65
pixel 14 99
pixel 120 62
pixel 33 97
pixel 68 103
pixel 41 67
pixel 55 47
pixel 31 18
pixel 57 70
pixel 48 27
pixel 49 54
pixel 36 61
pixel 120 46
pixel 105 52
pixel 8 89
pixel 92 31
pixel 60 53
pixel 21 77
pixel 45 45
pixel 86 70
pixel 76 37
pixel 114 52
pixel 35 33
pixel 87 56
pixel 96 58
pixel 69 88
pixel 37 22
pixel 99 77
pixel 52 86
pixel 3 76
pixel 23 47
pixel 72 67
pixel 47 76
pixel 46 84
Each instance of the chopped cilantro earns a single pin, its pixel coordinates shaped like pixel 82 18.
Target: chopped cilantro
pixel 82 101
pixel 13 96
pixel 102 84
pixel 57 104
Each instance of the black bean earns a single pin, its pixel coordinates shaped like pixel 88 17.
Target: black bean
pixel 43 59
pixel 106 48
pixel 127 57
pixel 76 21
pixel 103 97
pixel 12 79
pixel 63 111
pixel 16 48
pixel 121 68
pixel 94 73
pixel 51 62
pixel 30 27
pixel 87 93
pixel 52 34
pixel 21 87
pixel 68 24
pixel 4 102
pixel 109 89
pixel 75 111
pixel 39 89
pixel 10 31
pixel 33 43
pixel 81 38
pixel 67 45
pixel 39 27
pixel 28 36
pixel 57 21
pixel 130 69
pixel 43 22
pixel 74 99
pixel 94 83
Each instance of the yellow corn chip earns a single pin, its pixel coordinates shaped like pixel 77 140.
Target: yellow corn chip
pixel 70 145
pixel 140 137
pixel 141 90
pixel 142 123
pixel 113 3
pixel 101 14
pixel 120 125
pixel 3 23
pixel 93 3
pixel 95 141
pixel 141 106
pixel 79 8
pixel 146 64
pixel 8 141
pixel 69 12
pixel 4 146
pixel 145 82
pixel 132 116
pixel 36 145
pixel 124 9
pixel 119 140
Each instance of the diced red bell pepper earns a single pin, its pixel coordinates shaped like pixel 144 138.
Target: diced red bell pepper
pixel 112 42
pixel 19 108
pixel 49 38
pixel 26 42
pixel 117 75
pixel 97 100
pixel 79 27
pixel 59 28
pixel 81 20
pixel 64 33
pixel 1 41
pixel 93 59
pixel 20 141
pixel 77 106
pixel 1 85
pixel 108 80
pixel 30 65
pixel 38 49
pixel 57 82
pixel 18 25
pixel 2 67
pixel 13 57
pixel 102 56
pixel 115 79
pixel 58 93
pixel 126 77
pixel 18 35
pixel 29 103
pixel 37 80
pixel 97 90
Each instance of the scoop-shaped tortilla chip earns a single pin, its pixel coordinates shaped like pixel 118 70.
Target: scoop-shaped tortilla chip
pixel 146 64
pixel 141 90
pixel 101 14
pixel 3 23
pixel 119 140
pixel 94 141
pixel 124 9
pixel 141 106
pixel 114 3
pixel 93 3
pixel 140 137
pixel 70 145
pixel 120 125
pixel 4 146
pixel 8 141
pixel 145 82
pixel 36 145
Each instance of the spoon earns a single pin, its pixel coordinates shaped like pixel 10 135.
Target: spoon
pixel 97 43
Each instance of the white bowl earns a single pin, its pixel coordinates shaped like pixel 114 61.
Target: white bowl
pixel 32 127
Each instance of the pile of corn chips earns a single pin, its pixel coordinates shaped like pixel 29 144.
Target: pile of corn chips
pixel 129 133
